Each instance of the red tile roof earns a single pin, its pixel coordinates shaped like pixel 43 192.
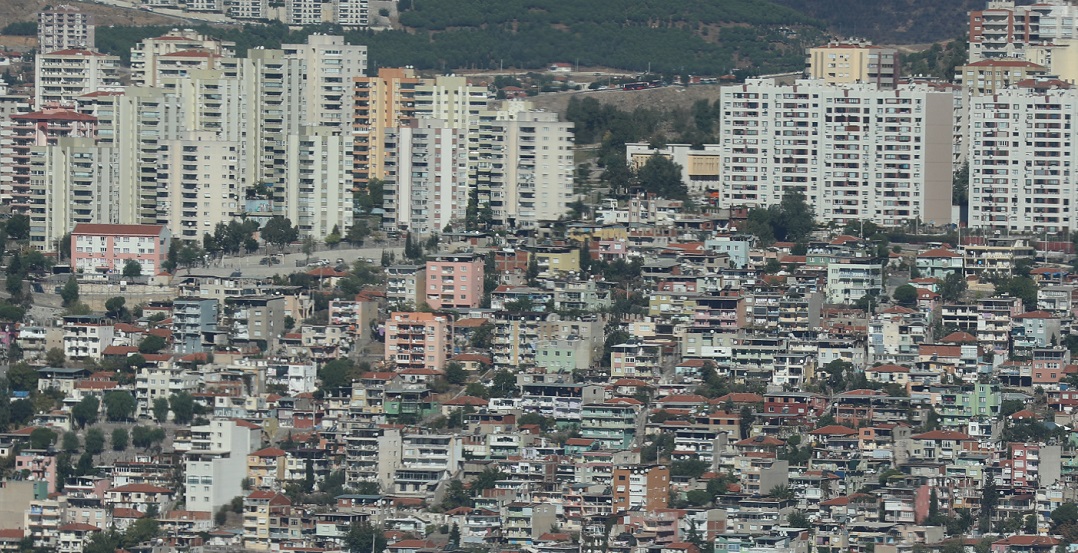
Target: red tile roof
pixel 833 430
pixel 117 230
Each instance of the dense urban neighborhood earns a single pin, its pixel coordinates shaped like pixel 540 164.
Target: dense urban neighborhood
pixel 276 295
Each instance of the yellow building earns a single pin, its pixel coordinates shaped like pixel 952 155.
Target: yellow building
pixel 848 63
pixel 988 76
pixel 1060 58
pixel 266 468
pixel 382 102
pixel 554 260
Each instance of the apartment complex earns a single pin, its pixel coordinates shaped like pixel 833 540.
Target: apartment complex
pixel 201 178
pixel 524 167
pixel 64 27
pixel 147 53
pixel 1006 30
pixel 417 340
pixel 427 178
pixel 183 146
pixel 382 103
pixel 454 281
pixel 65 75
pixel 849 63
pixel 82 172
pixel 39 128
pixel 107 248
pixel 1020 156
pixel 856 152
pixel 987 77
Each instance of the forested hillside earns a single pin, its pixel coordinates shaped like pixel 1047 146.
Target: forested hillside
pixel 892 21
pixel 691 36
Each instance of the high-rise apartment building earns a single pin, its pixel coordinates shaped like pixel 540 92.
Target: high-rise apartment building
pixel 352 13
pixel 1005 30
pixel 199 184
pixel 848 63
pixel 524 165
pixel 40 128
pixel 329 67
pixel 137 123
pixel 175 47
pixel 1021 157
pixel 316 193
pixel 382 102
pixel 856 152
pixel 249 9
pixel 427 180
pixel 64 75
pixel 81 173
pixel 299 13
pixel 64 28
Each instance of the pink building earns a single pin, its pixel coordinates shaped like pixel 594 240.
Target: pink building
pixel 38 466
pixel 107 248
pixel 454 280
pixel 417 340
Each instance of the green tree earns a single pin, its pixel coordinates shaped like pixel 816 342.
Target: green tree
pixel 953 286
pixel 905 295
pixel 1020 287
pixel 141 531
pixel 183 407
pixel 662 177
pixel 189 255
pixel 279 232
pixel 152 344
pixel 69 294
pixel 55 357
pixel 455 374
pixel 309 246
pixel 115 307
pixel 691 468
pixel 85 411
pixel 70 442
pixel 119 439
pixel 95 441
pixel 333 239
pixel 454 537
pixel 336 374
pixel 42 438
pixel 120 405
pixel 364 538
pixel 797 519
pixel 132 268
pixel 18 227
pixel 22 377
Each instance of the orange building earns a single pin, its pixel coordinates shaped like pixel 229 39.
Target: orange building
pixel 644 486
pixel 417 340
pixel 383 102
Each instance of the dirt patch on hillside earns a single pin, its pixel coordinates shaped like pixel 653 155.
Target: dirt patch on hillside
pixel 661 98
pixel 26 10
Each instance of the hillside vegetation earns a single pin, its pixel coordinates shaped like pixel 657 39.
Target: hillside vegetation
pixel 693 36
pixel 891 21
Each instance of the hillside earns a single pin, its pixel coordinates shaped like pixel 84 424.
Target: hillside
pixel 891 21
pixel 703 37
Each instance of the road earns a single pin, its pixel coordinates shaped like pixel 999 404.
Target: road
pixel 249 265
